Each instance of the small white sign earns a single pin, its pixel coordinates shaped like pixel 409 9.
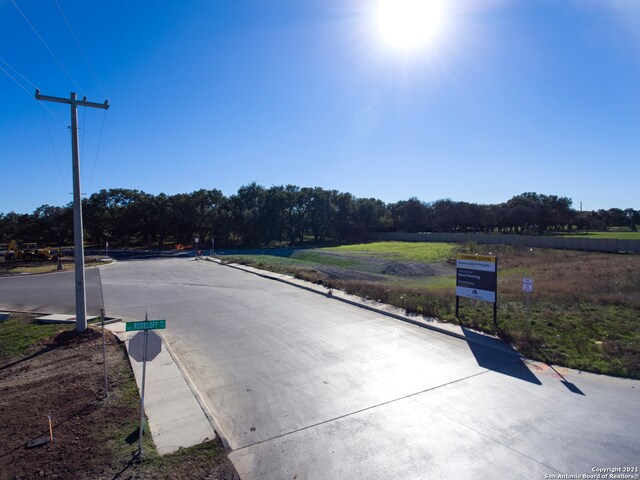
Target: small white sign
pixel 527 284
pixel 197 239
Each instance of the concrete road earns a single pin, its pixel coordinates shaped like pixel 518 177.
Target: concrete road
pixel 50 292
pixel 304 386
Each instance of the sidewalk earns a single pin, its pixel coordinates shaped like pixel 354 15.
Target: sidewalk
pixel 175 417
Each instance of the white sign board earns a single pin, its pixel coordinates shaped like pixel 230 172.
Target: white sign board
pixel 527 284
pixel 476 277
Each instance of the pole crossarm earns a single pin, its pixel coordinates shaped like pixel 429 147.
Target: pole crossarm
pixel 78 240
pixel 72 101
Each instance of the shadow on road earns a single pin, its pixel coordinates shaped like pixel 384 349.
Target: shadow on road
pixel 498 356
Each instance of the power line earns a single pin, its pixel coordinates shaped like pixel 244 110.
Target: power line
pixel 47 47
pixel 95 160
pixel 24 89
pixel 19 74
pixel 16 81
pixel 84 122
pixel 55 155
pixel 84 56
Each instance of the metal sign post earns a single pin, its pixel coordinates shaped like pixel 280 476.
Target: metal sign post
pixel 527 287
pixel 149 352
pixel 197 241
pixel 144 371
pixel 104 356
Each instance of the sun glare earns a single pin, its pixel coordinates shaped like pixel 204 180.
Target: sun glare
pixel 409 24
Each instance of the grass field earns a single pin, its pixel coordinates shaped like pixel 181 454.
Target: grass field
pixel 411 251
pixel 622 235
pixel 584 312
pixel 19 332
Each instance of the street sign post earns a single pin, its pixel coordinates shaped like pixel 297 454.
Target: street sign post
pixel 527 287
pixel 151 346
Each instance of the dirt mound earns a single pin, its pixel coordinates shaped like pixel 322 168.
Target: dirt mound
pixel 73 337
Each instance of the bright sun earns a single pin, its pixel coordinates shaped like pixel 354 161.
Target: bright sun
pixel 409 24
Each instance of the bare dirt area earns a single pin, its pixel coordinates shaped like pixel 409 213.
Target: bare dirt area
pixel 94 437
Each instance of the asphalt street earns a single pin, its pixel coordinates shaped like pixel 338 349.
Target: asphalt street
pixel 50 292
pixel 304 386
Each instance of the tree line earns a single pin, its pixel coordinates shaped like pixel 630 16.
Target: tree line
pixel 259 216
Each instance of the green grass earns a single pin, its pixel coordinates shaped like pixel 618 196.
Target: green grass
pixel 428 252
pixel 20 331
pixel 45 268
pixel 317 257
pixel 299 258
pixel 607 235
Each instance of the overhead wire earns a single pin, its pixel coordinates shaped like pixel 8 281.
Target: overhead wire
pixel 95 160
pixel 55 155
pixel 84 122
pixel 47 47
pixel 19 74
pixel 27 91
pixel 84 56
pixel 100 87
pixel 73 81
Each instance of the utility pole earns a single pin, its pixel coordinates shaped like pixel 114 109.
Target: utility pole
pixel 81 295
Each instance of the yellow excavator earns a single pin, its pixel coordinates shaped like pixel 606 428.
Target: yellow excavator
pixel 28 253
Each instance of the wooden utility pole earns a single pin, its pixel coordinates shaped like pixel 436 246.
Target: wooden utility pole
pixel 81 295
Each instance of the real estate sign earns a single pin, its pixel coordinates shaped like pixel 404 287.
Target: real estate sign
pixel 477 277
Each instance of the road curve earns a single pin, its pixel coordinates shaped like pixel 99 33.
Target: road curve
pixel 304 386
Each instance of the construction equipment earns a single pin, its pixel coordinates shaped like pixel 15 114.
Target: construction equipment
pixel 28 253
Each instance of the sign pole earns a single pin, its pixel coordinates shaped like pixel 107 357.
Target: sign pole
pixel 104 356
pixel 495 301
pixel 527 287
pixel 144 371
pixel 528 319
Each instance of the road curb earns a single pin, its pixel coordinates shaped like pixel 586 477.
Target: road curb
pixel 196 394
pixel 355 303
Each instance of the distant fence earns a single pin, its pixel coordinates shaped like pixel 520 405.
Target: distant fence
pixel 610 245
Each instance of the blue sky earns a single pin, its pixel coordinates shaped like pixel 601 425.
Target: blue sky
pixel 509 96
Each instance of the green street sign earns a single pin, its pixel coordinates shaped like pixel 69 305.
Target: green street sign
pixel 146 325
